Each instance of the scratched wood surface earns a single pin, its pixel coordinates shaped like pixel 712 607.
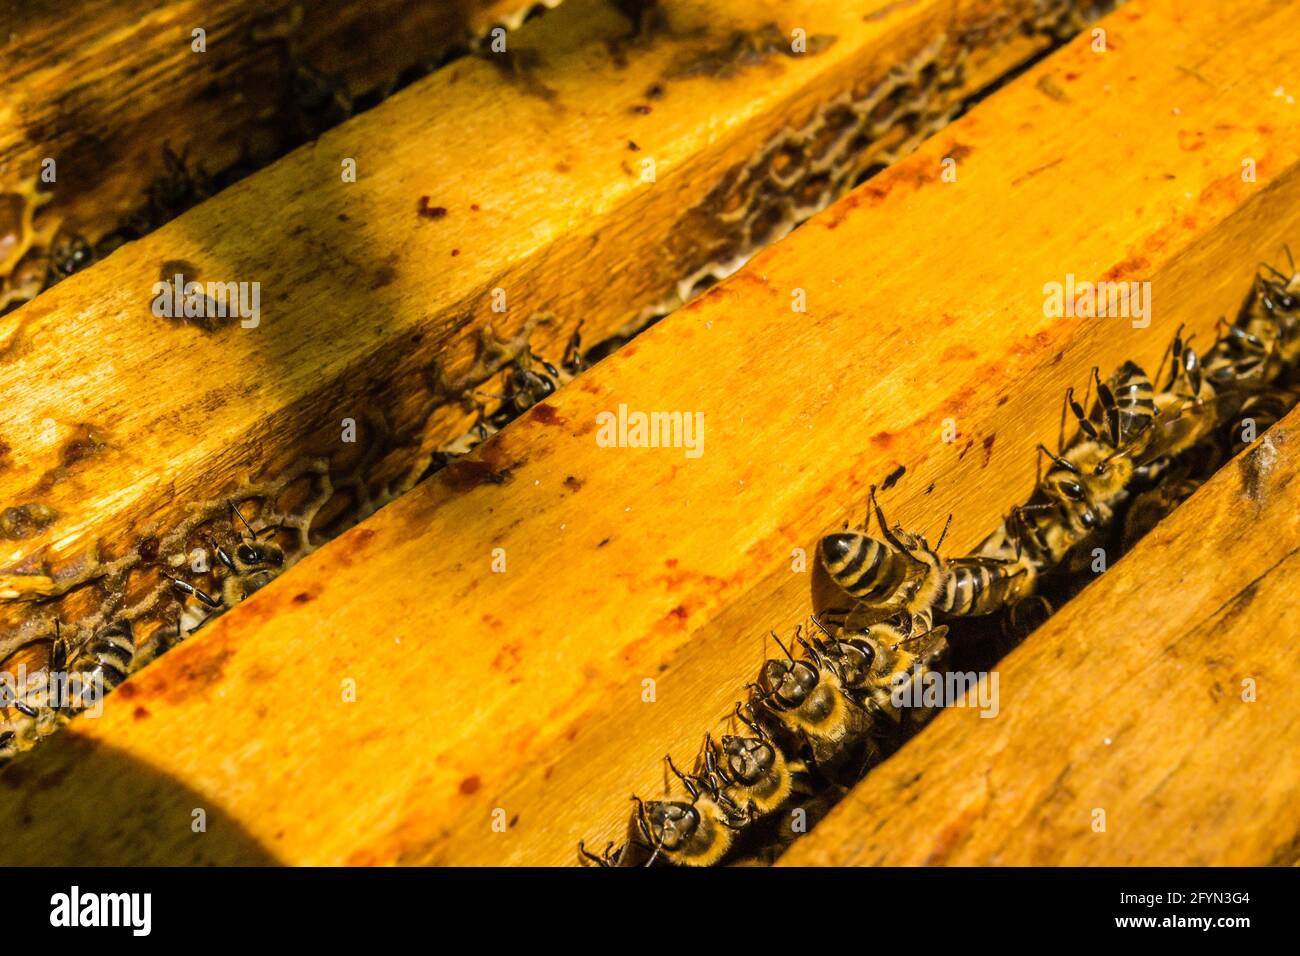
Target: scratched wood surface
pixel 101 86
pixel 518 696
pixel 1151 722
pixel 486 176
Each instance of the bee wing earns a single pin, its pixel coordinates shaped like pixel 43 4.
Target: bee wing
pixel 927 648
pixel 863 616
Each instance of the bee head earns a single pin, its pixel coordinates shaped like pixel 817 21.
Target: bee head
pixel 1070 487
pixel 853 659
pixel 1278 295
pixel 667 824
pixel 788 682
pixel 530 383
pixel 747 759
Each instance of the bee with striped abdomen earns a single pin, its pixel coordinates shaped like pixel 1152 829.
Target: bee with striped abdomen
pixel 1124 413
pixel 103 661
pixel 983 584
pixel 901 575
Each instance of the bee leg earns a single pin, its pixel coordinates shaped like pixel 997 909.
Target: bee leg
pixel 585 854
pixel 184 587
pixel 223 557
pixel 572 361
pixel 480 423
pixel 551 370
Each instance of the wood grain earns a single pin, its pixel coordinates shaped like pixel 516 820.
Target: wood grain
pixel 374 294
pixel 518 696
pixel 101 86
pixel 1164 696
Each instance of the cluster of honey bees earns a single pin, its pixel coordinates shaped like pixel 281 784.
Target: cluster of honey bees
pixel 813 724
pixel 47 682
pixel 102 655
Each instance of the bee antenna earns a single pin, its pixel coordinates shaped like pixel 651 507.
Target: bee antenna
pixel 884 525
pixel 872 506
pixel 238 514
pixel 1273 269
pixel 1087 392
pixel 942 534
pixel 1164 355
pixel 1058 460
pixel 810 650
pixel 749 721
pixel 783 647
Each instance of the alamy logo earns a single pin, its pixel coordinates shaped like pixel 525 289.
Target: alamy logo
pixel 103 909
pixel 626 429
pixel 39 690
pixel 947 689
pixel 1123 300
pixel 179 299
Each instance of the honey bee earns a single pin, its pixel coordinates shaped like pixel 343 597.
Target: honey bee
pixel 1189 406
pixel 1032 541
pixel 808 700
pixel 1272 309
pixel 105 659
pixel 876 662
pixel 525 387
pixel 28 705
pixel 1124 413
pixel 699 833
pixel 1242 360
pixel 756 774
pixel 1092 477
pixel 253 564
pixel 1090 481
pixel 900 576
pixel 529 380
pixel 1262 348
pixel 910 582
pixel 71 253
